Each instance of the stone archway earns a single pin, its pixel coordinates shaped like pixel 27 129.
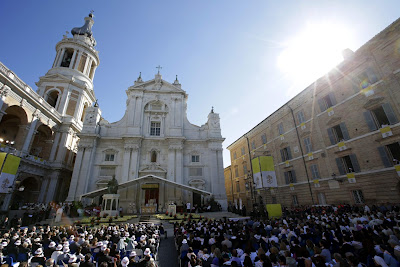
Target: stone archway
pixel 30 194
pixel 13 126
pixel 42 142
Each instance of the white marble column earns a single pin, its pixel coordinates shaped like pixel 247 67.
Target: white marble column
pixel 51 191
pixel 134 169
pixel 43 189
pixel 171 172
pixel 55 146
pixel 179 171
pixel 84 174
pixel 73 59
pixel 62 148
pixel 78 60
pixel 61 57
pixel 75 175
pixel 138 112
pixel 29 137
pixel 64 102
pixel 126 164
pixel 77 113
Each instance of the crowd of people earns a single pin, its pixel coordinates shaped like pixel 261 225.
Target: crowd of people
pixel 337 236
pixel 106 246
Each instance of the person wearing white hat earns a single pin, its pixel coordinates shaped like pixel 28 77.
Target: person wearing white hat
pixel 50 249
pixel 124 262
pixel 39 257
pixel 64 257
pixel 57 253
pixel 133 257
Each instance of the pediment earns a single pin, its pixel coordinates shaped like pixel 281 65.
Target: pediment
pixel 305 133
pixel 284 144
pixel 153 168
pixel 373 102
pixel 334 120
pixel 160 85
pixel 55 77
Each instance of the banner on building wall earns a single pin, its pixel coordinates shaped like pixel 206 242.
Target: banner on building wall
pixel 10 165
pixel 274 210
pixel 264 172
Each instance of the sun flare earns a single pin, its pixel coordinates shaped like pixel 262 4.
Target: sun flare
pixel 314 51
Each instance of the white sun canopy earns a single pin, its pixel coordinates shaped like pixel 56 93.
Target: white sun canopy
pixel 146 179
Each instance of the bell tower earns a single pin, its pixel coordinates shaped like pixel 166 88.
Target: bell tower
pixel 68 86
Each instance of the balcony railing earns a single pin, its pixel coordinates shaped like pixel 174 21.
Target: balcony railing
pixel 18 153
pixel 28 90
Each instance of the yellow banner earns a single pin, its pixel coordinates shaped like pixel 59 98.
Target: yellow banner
pixel 267 163
pixel 385 129
pixel 274 210
pixel 11 165
pixel 316 181
pixel 256 165
pixel 350 175
pixel 2 157
pixel 397 168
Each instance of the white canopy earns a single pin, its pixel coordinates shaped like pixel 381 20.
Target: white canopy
pixel 147 179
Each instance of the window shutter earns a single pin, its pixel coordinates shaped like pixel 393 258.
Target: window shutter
pixel 390 114
pixel 288 152
pixel 370 121
pixel 307 142
pixel 371 76
pixel 331 137
pixel 333 99
pixel 314 171
pixel 344 131
pixel 286 177
pixel 282 155
pixel 385 159
pixel 354 162
pixel 340 166
pixel 321 103
pixel 294 177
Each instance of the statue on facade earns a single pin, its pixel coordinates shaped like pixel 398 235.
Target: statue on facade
pixel 112 186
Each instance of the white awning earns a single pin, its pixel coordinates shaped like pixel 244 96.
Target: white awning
pixel 147 179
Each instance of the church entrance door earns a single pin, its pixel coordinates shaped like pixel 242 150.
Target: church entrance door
pixel 151 196
pixel 196 199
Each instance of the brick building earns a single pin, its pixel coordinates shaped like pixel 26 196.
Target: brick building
pixel 337 141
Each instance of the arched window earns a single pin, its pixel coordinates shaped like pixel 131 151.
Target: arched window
pixel 67 58
pixel 154 156
pixel 52 98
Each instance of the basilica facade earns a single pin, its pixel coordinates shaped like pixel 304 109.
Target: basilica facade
pixel 71 152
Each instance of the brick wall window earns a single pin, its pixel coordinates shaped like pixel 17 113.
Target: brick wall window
pixel 244 169
pixel 314 171
pixel 236 171
pixel 367 78
pixel 234 155
pixel 264 138
pixel 295 201
pixel 280 128
pixel 382 115
pixel 253 145
pixel 358 197
pixel 348 164
pixel 286 154
pixel 390 154
pixel 326 102
pixel 307 143
pixel 290 177
pixel 237 186
pixel 338 133
pixel 300 116
pixel 243 151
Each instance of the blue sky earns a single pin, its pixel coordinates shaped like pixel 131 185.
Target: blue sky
pixel 225 53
